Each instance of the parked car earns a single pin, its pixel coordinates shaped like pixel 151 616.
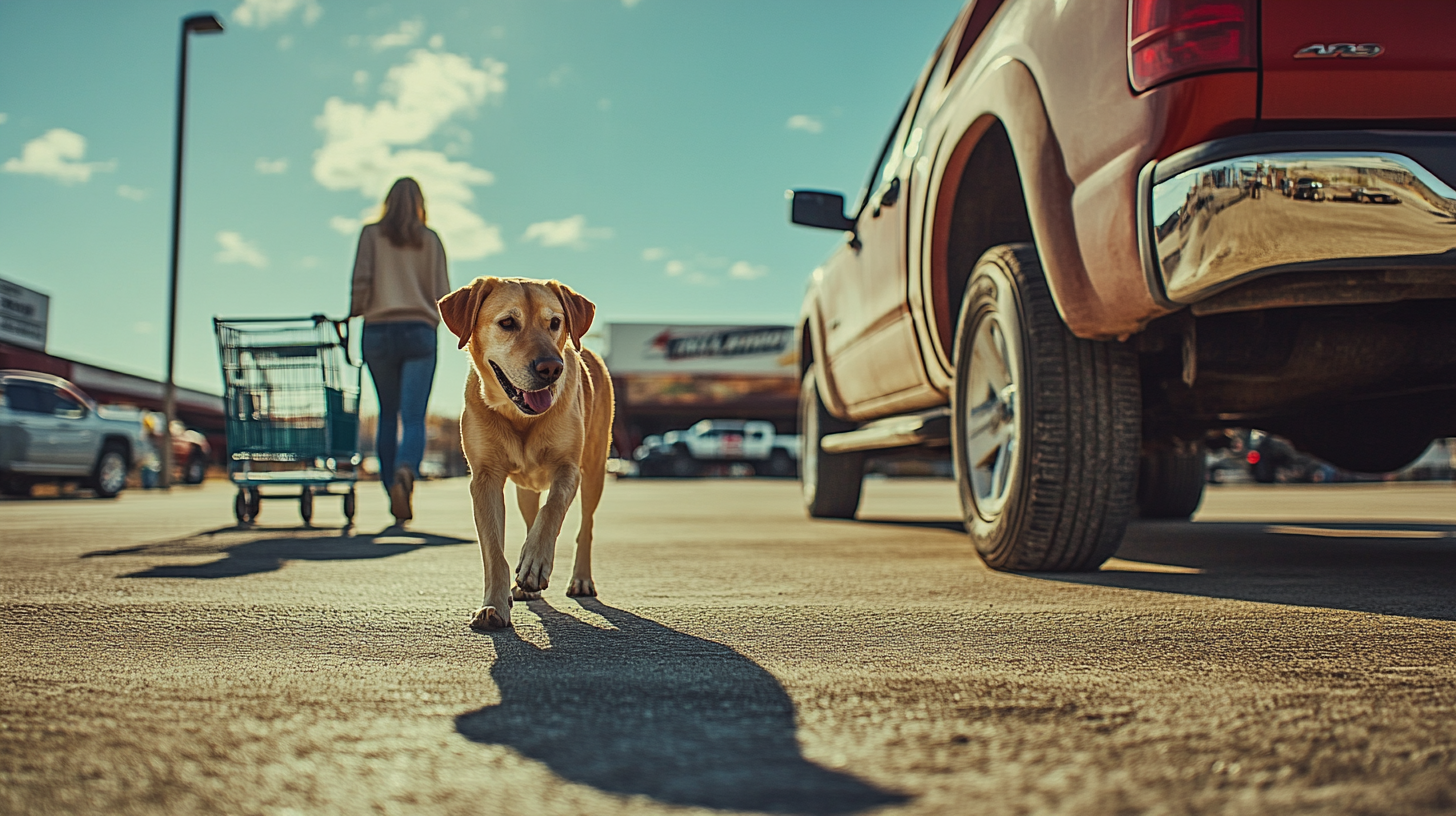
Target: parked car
pixel 50 430
pixel 1307 189
pixel 1370 195
pixel 1055 256
pixel 191 452
pixel 719 441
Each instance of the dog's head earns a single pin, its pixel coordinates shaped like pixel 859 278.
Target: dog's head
pixel 518 329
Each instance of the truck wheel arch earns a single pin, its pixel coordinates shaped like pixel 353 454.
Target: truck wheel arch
pixel 1011 117
pixel 811 348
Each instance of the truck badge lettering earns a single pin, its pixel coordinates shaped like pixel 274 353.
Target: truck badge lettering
pixel 1322 51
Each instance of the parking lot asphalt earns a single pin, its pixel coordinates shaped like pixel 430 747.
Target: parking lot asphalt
pixel 1290 651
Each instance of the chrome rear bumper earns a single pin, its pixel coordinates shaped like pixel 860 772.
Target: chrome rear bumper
pixel 1216 223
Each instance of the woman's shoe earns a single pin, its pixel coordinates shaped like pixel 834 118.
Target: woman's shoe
pixel 400 493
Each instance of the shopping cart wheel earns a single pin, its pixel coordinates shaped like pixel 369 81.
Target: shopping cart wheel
pixel 240 507
pixel 305 505
pixel 349 505
pixel 255 503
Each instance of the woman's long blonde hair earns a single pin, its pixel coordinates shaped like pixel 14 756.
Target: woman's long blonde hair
pixel 403 220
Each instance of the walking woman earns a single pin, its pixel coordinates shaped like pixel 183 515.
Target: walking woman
pixel 399 276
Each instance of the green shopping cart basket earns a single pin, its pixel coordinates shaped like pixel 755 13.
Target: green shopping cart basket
pixel 292 404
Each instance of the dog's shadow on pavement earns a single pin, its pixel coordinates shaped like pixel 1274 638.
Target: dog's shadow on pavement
pixel 248 551
pixel 649 711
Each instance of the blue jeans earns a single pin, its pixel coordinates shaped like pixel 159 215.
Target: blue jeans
pixel 401 359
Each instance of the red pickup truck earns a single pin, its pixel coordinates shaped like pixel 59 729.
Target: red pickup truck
pixel 1089 244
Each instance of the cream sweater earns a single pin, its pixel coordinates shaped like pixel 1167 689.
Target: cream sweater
pixel 395 284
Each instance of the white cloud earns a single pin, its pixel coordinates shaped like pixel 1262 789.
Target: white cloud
pixel 559 76
pixel 143 327
pixel 57 154
pixel 437 41
pixel 3 117
pixel 236 249
pixel 366 148
pixel 406 34
pixel 675 268
pixel 743 270
pixel 308 262
pixel 285 42
pixel 270 167
pixel 131 192
pixel 630 3
pixel 344 225
pixel 572 232
pixel 805 123
pixel 654 254
pixel 604 104
pixel 361 79
pixel 263 13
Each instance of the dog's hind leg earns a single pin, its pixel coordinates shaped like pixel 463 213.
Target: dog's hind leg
pixel 530 503
pixel 593 478
pixel 533 572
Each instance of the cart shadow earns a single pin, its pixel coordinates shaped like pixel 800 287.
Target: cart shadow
pixel 247 551
pixel 1382 568
pixel 646 710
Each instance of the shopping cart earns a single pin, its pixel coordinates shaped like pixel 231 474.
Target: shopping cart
pixel 292 405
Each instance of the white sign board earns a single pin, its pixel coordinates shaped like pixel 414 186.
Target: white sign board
pixel 24 314
pixel 658 348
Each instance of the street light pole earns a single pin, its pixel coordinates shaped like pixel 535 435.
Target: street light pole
pixel 200 24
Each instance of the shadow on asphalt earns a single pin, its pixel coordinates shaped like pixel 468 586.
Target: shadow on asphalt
pixel 649 711
pixel 249 551
pixel 924 524
pixel 1405 569
pixel 1387 569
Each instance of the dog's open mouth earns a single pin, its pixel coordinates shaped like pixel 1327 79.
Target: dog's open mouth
pixel 531 403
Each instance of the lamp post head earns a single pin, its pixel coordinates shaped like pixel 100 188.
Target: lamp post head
pixel 202 24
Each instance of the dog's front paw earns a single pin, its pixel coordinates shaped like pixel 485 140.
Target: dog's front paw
pixel 534 573
pixel 522 595
pixel 488 619
pixel 581 588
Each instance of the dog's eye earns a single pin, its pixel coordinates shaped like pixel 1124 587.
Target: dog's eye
pixel 509 324
pixel 555 324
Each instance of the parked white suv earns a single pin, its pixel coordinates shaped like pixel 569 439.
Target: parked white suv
pixel 50 430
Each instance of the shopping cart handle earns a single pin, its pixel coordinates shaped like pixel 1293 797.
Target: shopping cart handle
pixel 341 328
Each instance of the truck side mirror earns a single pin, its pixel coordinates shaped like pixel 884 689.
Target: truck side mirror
pixel 812 208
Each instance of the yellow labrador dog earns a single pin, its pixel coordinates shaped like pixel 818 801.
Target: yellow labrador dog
pixel 538 411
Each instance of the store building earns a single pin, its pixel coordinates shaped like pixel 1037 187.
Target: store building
pixel 668 376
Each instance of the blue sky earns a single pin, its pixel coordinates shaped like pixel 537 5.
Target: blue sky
pixel 636 149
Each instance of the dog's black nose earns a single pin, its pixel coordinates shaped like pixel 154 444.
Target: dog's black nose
pixel 549 368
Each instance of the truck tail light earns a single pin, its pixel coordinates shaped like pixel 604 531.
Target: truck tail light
pixel 1168 39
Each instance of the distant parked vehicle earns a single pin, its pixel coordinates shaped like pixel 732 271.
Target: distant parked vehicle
pixel 1308 189
pixel 51 431
pixel 1370 195
pixel 719 441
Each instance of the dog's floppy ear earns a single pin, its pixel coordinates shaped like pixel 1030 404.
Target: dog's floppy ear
pixel 579 310
pixel 461 307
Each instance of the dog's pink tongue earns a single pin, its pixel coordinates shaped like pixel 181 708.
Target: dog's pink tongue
pixel 538 400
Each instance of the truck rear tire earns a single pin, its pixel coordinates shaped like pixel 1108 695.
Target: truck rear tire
pixel 1045 426
pixel 1170 482
pixel 108 475
pixel 831 482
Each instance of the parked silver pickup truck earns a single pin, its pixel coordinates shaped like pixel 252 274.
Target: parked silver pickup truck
pixel 51 431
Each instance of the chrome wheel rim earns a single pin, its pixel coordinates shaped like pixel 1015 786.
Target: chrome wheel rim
pixel 113 473
pixel 991 419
